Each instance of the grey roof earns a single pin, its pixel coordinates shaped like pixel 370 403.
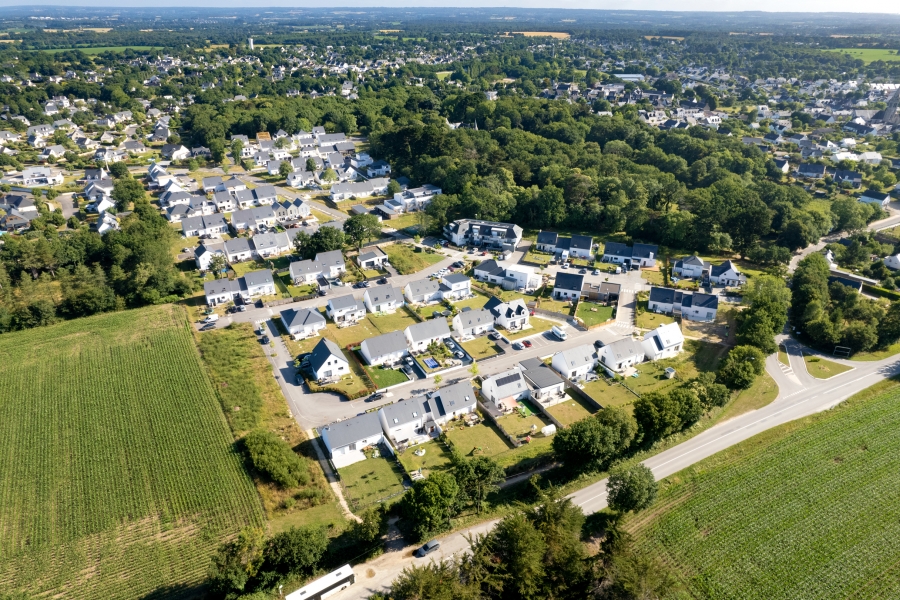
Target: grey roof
pixel 693 260
pixel 700 300
pixel 617 249
pixel 352 430
pixel 455 278
pixel 405 411
pixel 509 383
pixel 645 251
pixel 344 302
pixel 547 237
pixel 385 293
pixel 582 242
pixel 433 328
pixel 382 345
pixel 324 350
pixel 491 268
pixel 223 286
pixel 305 267
pixel 261 277
pixel 540 375
pixel 579 356
pixel 305 316
pixel 423 286
pixel 375 252
pixel 717 270
pixel 569 281
pixel 212 181
pixel 264 191
pixel 332 258
pixel 473 318
pixel 662 295
pixel 237 245
pixel 513 308
pixel 624 348
pixel 454 397
pixel 268 240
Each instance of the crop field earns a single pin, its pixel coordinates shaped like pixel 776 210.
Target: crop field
pixel 806 510
pixel 118 477
pixel 100 49
pixel 870 54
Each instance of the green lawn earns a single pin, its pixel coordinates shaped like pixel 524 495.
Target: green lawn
pixel 818 495
pixel 647 319
pixel 548 303
pixel 573 409
pixel 484 436
pixel 371 480
pixel 481 348
pixel 441 75
pixel 783 356
pixel 506 295
pixel 403 258
pixel 538 325
pixel 385 377
pixel 427 311
pixel 869 55
pixel 435 458
pixel 594 314
pixel 397 321
pixel 537 258
pixel 822 368
pixel 877 354
pixel 477 301
pixel 120 473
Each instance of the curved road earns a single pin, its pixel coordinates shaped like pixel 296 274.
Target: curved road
pixel 799 395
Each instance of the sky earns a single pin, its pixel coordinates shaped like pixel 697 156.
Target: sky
pixel 857 6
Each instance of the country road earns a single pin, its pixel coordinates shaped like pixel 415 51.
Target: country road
pixel 799 395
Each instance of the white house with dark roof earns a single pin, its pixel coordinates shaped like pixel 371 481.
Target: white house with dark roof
pixel 303 323
pixel 358 189
pixel 204 253
pixel 455 286
pixel 384 349
pixel 665 341
pixel 346 440
pixel 252 218
pixel 270 244
pixel 372 258
pixel 568 286
pixel 511 316
pixel 424 291
pixel 489 271
pixel 871 196
pixel 421 335
pixel 238 250
pixel 383 299
pixel 694 306
pixel 576 362
pixel 622 354
pixel 694 267
pixel 418 419
pixel 546 385
pixel 490 234
pixel 211 225
pixel 471 323
pixel 508 386
pixel 641 255
pixel 254 283
pixel 726 274
pixel 345 310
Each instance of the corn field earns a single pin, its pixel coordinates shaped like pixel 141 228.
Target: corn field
pixel 118 477
pixel 810 511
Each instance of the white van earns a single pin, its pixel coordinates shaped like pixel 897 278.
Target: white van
pixel 211 318
pixel 618 270
pixel 560 332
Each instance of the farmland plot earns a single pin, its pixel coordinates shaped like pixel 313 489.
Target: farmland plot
pixel 807 510
pixel 118 476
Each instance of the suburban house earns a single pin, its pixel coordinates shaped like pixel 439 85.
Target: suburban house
pixel 852 178
pixel 238 250
pixel 224 202
pixel 211 184
pixel 508 386
pixel 35 176
pixel 413 199
pixel 303 323
pixel 373 258
pixel 490 271
pixel 254 283
pixel 491 234
pixel 208 225
pixel 420 418
pixel 252 218
pixel 423 291
pixel 455 286
pixel 421 335
pixel 387 348
pixel 291 210
pixel 346 440
pixel 892 262
pixel 576 362
pixel 175 152
pixel 518 277
pixel 345 310
pixel 694 267
pixel 694 306
pixel 383 299
pixel 546 385
pixel 639 255
pixel 204 253
pixel 577 246
pixel 568 286
pixel 332 263
pixel 359 189
pixel 471 323
pixel 606 293
pixel 270 244
pixel 622 354
pixel 811 171
pixel 512 315
pixel 875 197
pixel 326 361
pixel 107 222
pixel 665 341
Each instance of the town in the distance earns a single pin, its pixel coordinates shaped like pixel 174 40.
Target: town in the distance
pixel 448 304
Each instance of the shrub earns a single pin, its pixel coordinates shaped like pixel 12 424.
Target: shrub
pixel 272 457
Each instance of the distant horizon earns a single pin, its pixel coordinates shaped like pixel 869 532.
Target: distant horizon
pixel 890 7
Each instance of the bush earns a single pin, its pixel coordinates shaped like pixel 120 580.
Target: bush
pixel 742 366
pixel 631 488
pixel 272 456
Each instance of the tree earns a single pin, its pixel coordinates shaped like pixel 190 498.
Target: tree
pixel 434 581
pixel 302 244
pixel 274 458
pixel 631 489
pixel 295 552
pixel 359 229
pixel 285 169
pixel 593 442
pixel 237 562
pixel 217 265
pixel 477 477
pixel 520 549
pixel 85 292
pixel 127 191
pixel 657 416
pixel 119 170
pixel 393 187
pixel 329 175
pixel 237 148
pixel 310 165
pixel 372 526
pixel 325 239
pixel 742 366
pixel 709 392
pixel 430 503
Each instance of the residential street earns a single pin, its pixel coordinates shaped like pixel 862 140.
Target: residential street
pixel 799 395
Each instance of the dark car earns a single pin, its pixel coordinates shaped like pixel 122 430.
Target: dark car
pixel 428 548
pixel 382 281
pixel 582 272
pixel 598 344
pixel 264 339
pixel 375 397
pixel 517 346
pixel 322 292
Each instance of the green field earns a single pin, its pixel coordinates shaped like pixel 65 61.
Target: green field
pixel 870 54
pixel 822 368
pixel 119 476
pixel 407 261
pixel 101 49
pixel 806 510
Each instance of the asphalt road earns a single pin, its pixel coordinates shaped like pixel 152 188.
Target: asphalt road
pixel 799 395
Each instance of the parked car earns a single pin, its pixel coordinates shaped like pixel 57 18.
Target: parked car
pixel 382 281
pixel 527 343
pixel 375 397
pixel 598 344
pixel 565 265
pixel 582 272
pixel 366 284
pixel 459 355
pixel 428 548
pixel 494 335
pixel 264 339
pixel 596 272
pixel 517 346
